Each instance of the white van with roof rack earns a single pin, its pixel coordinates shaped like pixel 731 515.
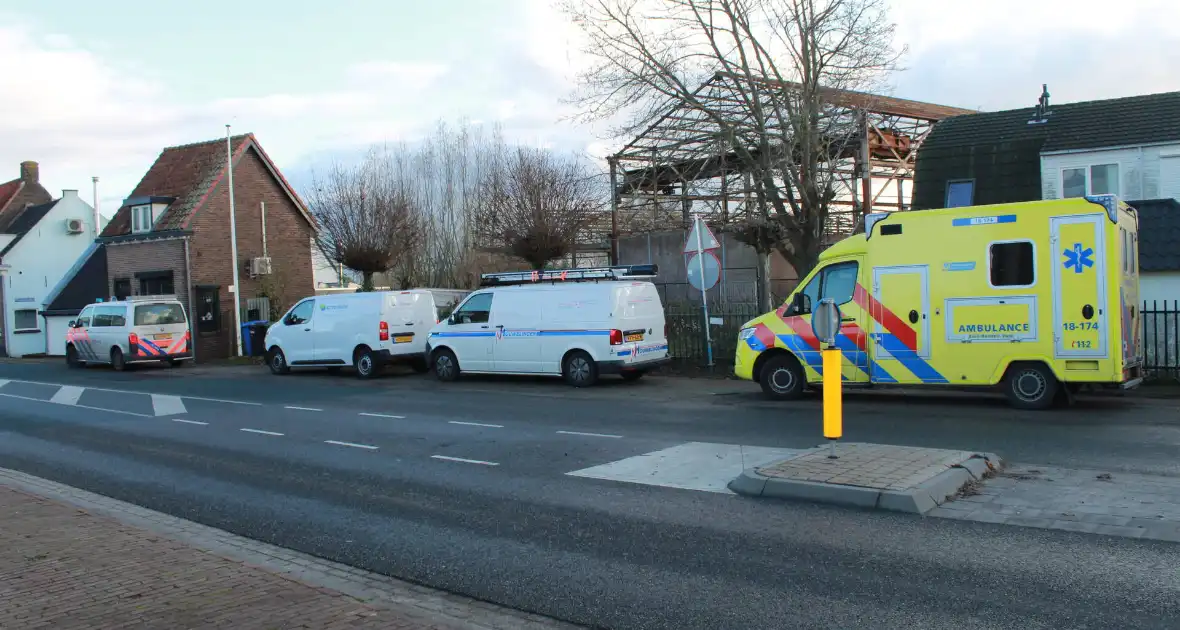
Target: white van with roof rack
pixel 139 329
pixel 574 323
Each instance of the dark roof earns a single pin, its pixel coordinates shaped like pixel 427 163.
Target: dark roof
pixel 1001 151
pixel 82 285
pixel 184 176
pixel 24 222
pixel 8 190
pixel 1159 234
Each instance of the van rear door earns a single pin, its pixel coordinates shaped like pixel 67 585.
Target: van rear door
pixel 409 315
pixel 639 314
pixel 162 327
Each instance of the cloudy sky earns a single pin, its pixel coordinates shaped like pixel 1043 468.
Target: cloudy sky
pixel 90 89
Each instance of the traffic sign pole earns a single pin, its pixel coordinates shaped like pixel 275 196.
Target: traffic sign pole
pixel 704 292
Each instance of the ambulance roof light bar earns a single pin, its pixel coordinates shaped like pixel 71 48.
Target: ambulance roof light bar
pixel 589 274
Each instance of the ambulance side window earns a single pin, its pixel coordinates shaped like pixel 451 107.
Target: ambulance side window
pixel 840 282
pixel 1013 264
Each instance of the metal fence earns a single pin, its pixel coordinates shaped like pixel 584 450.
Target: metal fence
pixel 1161 337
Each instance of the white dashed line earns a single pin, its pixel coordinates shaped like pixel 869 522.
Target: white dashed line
pixel 465 461
pixel 67 395
pixel 381 415
pixel 127 391
pixel 602 435
pixel 478 424
pixel 196 422
pixel 42 400
pixel 261 432
pixel 364 446
pixel 301 408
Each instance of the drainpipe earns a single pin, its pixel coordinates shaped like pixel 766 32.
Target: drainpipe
pixel 264 254
pixel 188 279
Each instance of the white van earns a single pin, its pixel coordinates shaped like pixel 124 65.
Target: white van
pixel 140 329
pixel 576 323
pixel 364 330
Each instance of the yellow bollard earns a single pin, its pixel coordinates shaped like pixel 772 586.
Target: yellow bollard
pixel 833 400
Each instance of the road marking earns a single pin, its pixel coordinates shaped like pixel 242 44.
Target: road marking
pixel 42 400
pixel 301 408
pixel 67 395
pixel 167 405
pixel 127 391
pixel 603 435
pixel 261 432
pixel 3 382
pixel 465 461
pixel 364 446
pixel 196 422
pixel 478 424
pixel 381 415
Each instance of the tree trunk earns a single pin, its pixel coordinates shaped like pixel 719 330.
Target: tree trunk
pixel 366 281
pixel 763 289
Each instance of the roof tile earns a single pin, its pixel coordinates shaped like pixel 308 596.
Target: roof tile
pixel 1159 234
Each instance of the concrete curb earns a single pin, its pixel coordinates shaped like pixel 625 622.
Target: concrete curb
pixel 917 500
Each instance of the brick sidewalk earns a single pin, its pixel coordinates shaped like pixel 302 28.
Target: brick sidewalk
pixel 64 568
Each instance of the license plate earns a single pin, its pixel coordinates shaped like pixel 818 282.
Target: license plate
pixel 403 339
pixel 635 337
pixel 162 337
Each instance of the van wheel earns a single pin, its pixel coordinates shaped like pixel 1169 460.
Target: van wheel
pixel 72 357
pixel 579 370
pixel 277 361
pixel 446 366
pixel 118 363
pixel 365 363
pixel 782 378
pixel 1031 386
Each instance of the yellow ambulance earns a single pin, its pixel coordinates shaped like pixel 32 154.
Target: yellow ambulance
pixel 1038 297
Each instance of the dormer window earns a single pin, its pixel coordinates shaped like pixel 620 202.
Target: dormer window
pixel 141 219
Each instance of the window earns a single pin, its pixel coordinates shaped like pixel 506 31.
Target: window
pixel 141 219
pixel 156 283
pixel 301 314
pixel 25 319
pixel 960 193
pixel 159 314
pixel 83 320
pixel 477 310
pixel 1100 179
pixel 105 316
pixel 1012 264
pixel 836 281
pixel 208 309
pixel 122 288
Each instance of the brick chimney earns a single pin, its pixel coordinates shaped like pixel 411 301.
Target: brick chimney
pixel 29 172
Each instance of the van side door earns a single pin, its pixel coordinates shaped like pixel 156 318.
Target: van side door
pixel 469 334
pixel 517 322
pixel 79 335
pixel 297 340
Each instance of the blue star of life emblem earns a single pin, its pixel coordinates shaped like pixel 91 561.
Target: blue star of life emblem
pixel 1079 258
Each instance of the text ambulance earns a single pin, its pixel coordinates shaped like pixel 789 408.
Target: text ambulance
pixel 1040 297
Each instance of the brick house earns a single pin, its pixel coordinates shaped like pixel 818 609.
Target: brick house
pixel 172 236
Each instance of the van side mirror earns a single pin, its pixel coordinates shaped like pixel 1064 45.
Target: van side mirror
pixel 73 324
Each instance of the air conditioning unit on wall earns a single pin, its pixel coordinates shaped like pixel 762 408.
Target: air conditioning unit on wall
pixel 74 226
pixel 259 266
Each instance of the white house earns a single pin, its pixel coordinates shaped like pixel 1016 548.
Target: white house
pixel 38 246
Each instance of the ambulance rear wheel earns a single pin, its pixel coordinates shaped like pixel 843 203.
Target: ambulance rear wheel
pixel 782 378
pixel 1031 386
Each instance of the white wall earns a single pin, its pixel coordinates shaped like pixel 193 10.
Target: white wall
pixel 1139 170
pixel 1160 286
pixel 37 263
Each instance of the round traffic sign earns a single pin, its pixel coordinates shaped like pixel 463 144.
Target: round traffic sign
pixel 712 270
pixel 825 321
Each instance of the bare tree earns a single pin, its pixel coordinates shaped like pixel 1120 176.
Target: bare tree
pixel 534 205
pixel 368 219
pixel 784 120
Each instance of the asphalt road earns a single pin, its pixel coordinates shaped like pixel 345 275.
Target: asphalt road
pixel 465 487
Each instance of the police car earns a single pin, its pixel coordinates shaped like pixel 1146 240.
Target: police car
pixel 140 329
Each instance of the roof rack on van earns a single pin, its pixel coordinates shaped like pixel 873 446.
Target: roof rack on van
pixel 619 272
pixel 149 298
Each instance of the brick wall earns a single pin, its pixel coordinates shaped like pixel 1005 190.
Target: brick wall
pixel 125 260
pixel 288 243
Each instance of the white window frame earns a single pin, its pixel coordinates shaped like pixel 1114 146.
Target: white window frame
pixel 139 216
pixel 1089 168
pixel 988 258
pixel 17 329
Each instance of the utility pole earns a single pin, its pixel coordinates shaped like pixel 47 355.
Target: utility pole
pixel 233 239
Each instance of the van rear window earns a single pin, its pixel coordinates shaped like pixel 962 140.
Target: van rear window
pixel 158 314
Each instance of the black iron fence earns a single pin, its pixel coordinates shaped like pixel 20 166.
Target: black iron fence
pixel 1161 337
